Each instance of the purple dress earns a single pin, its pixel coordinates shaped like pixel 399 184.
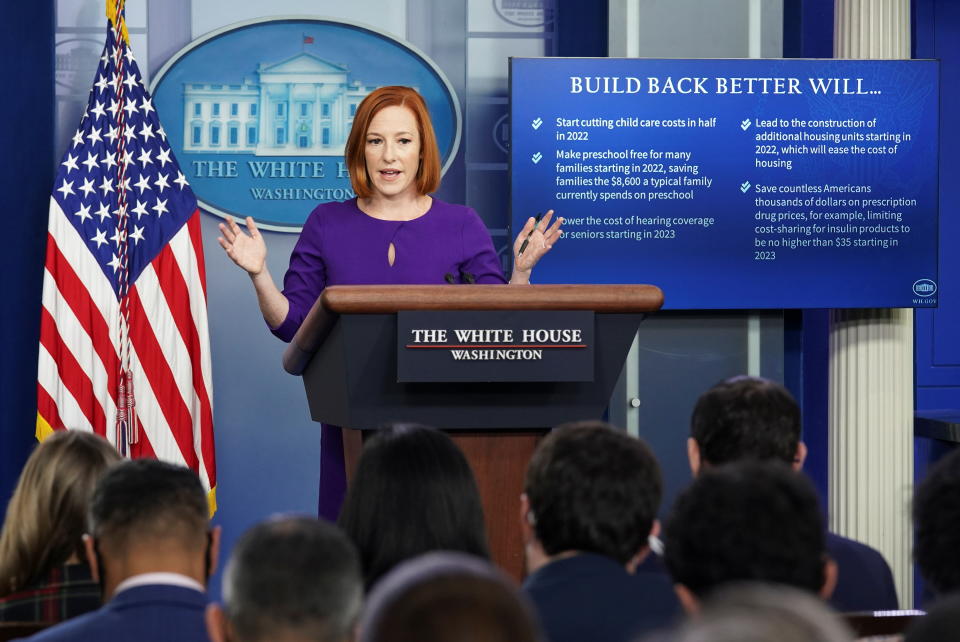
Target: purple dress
pixel 340 245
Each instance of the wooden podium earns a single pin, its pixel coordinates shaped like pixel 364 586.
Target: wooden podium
pixel 347 352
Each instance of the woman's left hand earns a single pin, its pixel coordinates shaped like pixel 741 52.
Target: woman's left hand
pixel 539 237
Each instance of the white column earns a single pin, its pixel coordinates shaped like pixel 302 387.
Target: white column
pixel 871 362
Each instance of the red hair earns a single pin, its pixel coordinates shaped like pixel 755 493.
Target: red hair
pixel 428 174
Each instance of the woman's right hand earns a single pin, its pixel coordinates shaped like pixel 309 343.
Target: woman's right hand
pixel 249 251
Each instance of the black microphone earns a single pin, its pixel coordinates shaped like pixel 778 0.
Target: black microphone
pixel 449 278
pixel 467 277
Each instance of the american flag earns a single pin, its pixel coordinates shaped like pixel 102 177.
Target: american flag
pixel 124 347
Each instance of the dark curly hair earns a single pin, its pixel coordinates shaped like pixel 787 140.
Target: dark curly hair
pixel 749 521
pixel 746 417
pixel 593 488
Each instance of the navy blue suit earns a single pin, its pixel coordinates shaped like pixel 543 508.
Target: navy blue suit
pixel 154 612
pixel 864 580
pixel 592 597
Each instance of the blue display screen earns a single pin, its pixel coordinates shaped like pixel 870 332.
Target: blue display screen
pixel 733 184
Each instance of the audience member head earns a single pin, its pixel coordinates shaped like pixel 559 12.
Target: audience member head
pixel 45 519
pixel 413 492
pixel 289 579
pixel 745 418
pixel 936 517
pixel 940 623
pixel 590 488
pixel 428 174
pixel 756 612
pixel 749 521
pixel 149 516
pixel 443 596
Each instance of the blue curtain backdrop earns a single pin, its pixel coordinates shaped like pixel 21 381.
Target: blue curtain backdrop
pixel 937 375
pixel 26 132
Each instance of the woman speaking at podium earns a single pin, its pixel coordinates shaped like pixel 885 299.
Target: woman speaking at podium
pixel 392 232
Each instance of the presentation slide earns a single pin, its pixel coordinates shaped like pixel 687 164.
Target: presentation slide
pixel 733 184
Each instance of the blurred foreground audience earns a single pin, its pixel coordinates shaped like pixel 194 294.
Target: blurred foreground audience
pixel 936 517
pixel 44 576
pixel 150 545
pixel 754 418
pixel 589 504
pixel 290 579
pixel 747 551
pixel 447 597
pixel 764 613
pixel 940 624
pixel 747 522
pixel 413 492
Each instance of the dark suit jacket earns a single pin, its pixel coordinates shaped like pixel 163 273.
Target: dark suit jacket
pixel 592 597
pixel 864 580
pixel 139 614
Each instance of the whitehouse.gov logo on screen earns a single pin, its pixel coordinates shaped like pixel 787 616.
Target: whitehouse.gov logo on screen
pixel 259 112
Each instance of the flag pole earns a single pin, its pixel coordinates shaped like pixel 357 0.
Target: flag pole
pixel 128 432
pixel 115 12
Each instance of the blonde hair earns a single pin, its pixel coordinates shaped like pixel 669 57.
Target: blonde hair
pixel 47 512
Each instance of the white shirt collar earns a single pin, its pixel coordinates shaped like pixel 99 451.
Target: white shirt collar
pixel 170 579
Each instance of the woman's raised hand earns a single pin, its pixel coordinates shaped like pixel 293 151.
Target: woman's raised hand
pixel 534 240
pixel 249 251
pixel 246 250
